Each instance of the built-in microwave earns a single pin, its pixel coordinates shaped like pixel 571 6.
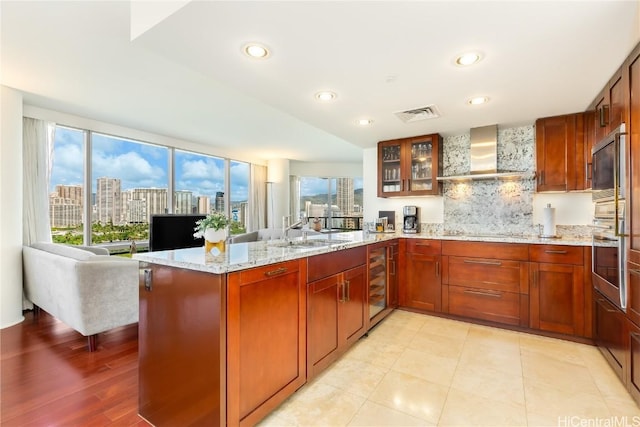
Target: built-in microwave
pixel 608 167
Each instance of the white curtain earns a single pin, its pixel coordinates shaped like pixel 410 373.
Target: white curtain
pixel 37 146
pixel 258 198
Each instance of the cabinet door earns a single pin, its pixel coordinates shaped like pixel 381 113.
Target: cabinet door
pixel 181 346
pixel 423 287
pixel 391 158
pixel 393 275
pixel 633 190
pixel 602 115
pixel 351 310
pixel 266 339
pixel 322 326
pixel 557 298
pixel 633 375
pixel 560 153
pixel 616 102
pixel 422 162
pixel 633 286
pixel 610 333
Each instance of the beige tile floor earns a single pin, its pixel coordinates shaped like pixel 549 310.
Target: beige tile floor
pixel 419 370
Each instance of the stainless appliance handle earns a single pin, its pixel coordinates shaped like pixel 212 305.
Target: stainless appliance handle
pixel 616 184
pixel 622 261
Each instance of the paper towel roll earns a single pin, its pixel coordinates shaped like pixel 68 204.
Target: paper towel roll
pixel 549 221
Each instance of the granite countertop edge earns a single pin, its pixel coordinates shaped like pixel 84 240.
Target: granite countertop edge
pixel 243 256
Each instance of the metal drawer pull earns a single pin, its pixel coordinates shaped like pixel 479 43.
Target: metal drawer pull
pixel 473 261
pixel 148 280
pixel 275 272
pixel 347 291
pixel 483 293
pixel 423 244
pixel 555 252
pixel 634 271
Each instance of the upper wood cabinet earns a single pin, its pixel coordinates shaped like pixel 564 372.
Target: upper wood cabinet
pixel 633 154
pixel 409 166
pixel 561 161
pixel 610 105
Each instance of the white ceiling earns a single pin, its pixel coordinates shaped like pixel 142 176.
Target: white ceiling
pixel 186 77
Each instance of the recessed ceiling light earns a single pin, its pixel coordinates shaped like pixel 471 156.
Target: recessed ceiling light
pixel 326 96
pixel 468 58
pixel 256 50
pixel 364 122
pixel 478 100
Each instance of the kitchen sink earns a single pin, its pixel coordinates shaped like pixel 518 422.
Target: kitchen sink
pixel 306 244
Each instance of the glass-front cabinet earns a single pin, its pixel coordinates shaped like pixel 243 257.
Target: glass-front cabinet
pixel 409 166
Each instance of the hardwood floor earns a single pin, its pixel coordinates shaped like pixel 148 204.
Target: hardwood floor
pixel 49 377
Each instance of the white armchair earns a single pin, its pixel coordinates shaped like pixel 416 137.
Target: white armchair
pixel 85 288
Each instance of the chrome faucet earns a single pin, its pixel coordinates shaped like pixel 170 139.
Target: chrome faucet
pixel 286 229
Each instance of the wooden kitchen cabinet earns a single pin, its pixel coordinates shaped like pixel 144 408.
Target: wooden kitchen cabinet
pixel 337 310
pixel 633 292
pixel 394 272
pixel 610 333
pixel 560 155
pixel 409 166
pixel 557 289
pixel 633 156
pixel 266 339
pixel 422 284
pixel 633 361
pixel 181 346
pixel 487 281
pixel 610 105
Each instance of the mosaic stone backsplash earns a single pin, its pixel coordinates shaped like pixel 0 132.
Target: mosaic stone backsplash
pixel 490 206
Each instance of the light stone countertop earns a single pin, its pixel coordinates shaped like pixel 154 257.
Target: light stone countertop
pixel 241 256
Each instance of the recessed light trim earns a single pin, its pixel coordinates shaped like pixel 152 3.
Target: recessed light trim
pixel 256 50
pixel 364 122
pixel 326 96
pixel 478 100
pixel 468 58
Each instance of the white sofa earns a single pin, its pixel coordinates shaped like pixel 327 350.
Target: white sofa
pixel 83 287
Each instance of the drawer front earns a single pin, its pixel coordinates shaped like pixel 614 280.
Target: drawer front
pixel 557 254
pixel 325 265
pixel 481 273
pixel 510 251
pixel 261 273
pixel 424 246
pixel 495 306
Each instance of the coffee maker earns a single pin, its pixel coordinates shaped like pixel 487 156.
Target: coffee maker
pixel 411 222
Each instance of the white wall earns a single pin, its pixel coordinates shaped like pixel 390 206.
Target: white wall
pixel 11 212
pixel 571 208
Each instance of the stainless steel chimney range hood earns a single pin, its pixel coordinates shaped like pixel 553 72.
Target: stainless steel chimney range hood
pixel 484 158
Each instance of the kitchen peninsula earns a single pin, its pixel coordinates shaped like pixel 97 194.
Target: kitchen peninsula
pixel 225 339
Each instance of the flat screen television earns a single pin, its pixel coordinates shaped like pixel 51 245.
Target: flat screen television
pixel 173 231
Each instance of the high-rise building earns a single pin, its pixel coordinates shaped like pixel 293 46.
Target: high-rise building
pixel 154 201
pixel 344 195
pixel 70 192
pixel 204 204
pixel 65 206
pixel 183 200
pixel 108 201
pixel 219 206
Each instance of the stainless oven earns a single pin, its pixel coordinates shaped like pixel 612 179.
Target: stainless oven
pixel 608 256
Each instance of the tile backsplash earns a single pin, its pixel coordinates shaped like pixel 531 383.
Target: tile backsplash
pixel 490 206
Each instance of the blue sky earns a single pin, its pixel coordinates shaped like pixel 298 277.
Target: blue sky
pixel 145 165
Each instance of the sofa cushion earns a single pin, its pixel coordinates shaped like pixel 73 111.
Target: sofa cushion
pixel 64 250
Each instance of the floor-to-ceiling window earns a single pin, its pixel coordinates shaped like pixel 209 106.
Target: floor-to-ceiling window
pixel 129 183
pixel 336 202
pixel 239 178
pixel 119 183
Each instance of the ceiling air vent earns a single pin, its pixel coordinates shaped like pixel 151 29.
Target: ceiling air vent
pixel 416 114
